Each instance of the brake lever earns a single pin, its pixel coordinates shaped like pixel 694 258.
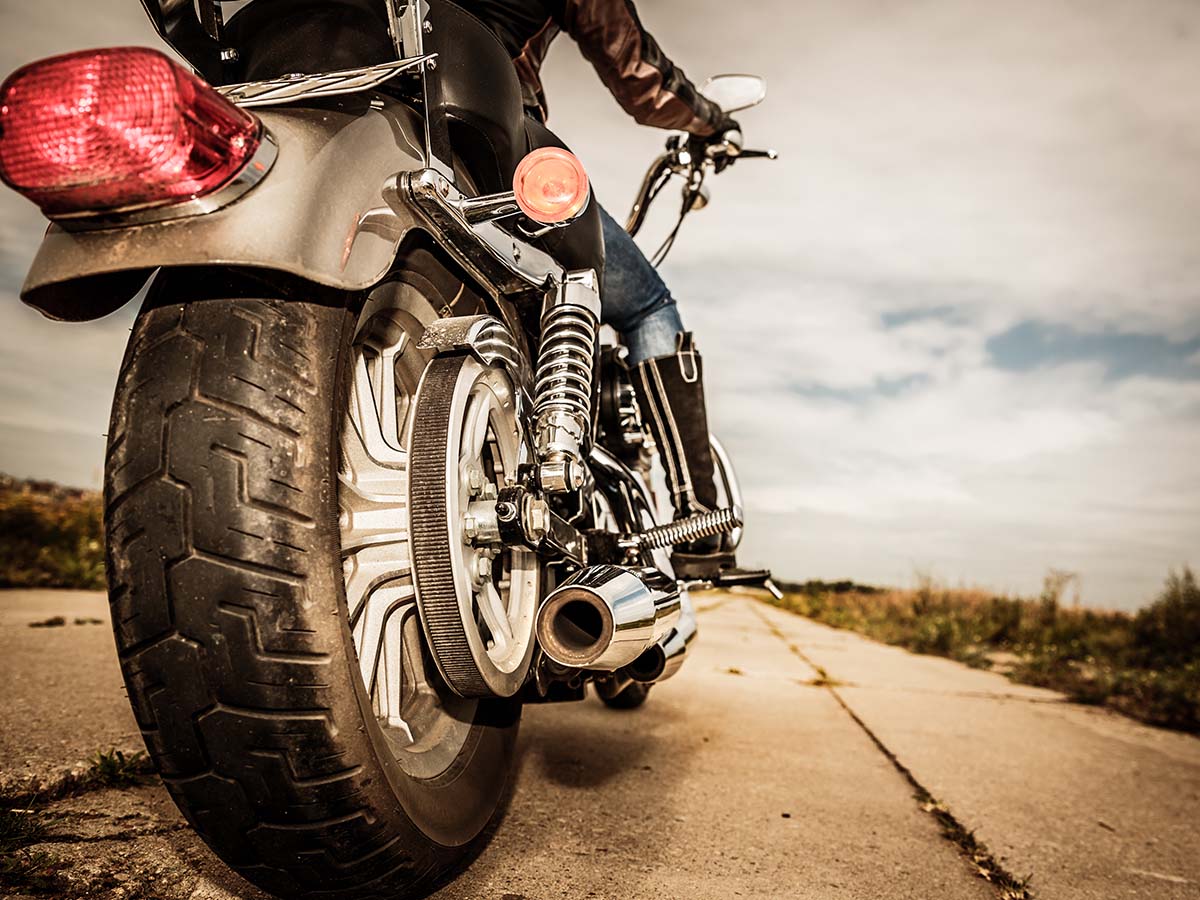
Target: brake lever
pixel 758 154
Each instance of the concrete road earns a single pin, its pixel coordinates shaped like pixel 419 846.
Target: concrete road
pixel 787 760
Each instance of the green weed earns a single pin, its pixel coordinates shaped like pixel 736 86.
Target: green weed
pixel 113 768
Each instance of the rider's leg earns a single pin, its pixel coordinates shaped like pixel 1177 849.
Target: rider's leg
pixel 637 303
pixel 667 374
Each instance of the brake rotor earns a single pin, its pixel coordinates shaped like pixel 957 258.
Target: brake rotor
pixel 477 598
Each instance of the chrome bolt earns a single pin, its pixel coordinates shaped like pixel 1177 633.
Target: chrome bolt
pixel 537 521
pixel 475 480
pixel 431 65
pixel 427 27
pixel 228 55
pixel 483 567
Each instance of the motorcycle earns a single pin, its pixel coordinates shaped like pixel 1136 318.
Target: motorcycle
pixel 371 481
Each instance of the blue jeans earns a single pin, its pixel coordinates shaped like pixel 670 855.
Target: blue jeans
pixel 637 303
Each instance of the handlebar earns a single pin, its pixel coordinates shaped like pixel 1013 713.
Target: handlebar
pixel 684 156
pixel 641 205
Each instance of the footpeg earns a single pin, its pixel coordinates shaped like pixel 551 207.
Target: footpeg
pixel 691 528
pixel 756 578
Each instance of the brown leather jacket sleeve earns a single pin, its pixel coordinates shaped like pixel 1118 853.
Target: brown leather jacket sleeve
pixel 629 61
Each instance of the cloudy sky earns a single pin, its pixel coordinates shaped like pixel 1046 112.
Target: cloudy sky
pixel 956 328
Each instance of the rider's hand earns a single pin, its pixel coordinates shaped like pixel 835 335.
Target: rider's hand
pixel 721 146
pixel 728 124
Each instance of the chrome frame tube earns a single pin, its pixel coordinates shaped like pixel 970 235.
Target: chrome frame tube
pixel 291 88
pixel 501 262
pixel 489 207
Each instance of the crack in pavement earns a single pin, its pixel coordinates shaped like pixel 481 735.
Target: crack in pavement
pixel 1008 887
pixel 74 782
pixel 126 838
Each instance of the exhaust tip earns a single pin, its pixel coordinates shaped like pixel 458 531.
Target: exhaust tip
pixel 648 667
pixel 575 628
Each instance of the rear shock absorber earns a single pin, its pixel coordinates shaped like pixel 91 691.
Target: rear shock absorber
pixel 562 405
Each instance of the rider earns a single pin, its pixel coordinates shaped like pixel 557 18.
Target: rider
pixel 665 365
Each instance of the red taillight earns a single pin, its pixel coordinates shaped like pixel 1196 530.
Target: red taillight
pixel 102 130
pixel 551 186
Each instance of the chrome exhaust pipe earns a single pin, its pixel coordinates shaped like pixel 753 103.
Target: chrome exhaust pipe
pixel 605 617
pixel 663 660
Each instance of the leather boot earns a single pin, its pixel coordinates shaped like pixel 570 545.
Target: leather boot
pixel 670 392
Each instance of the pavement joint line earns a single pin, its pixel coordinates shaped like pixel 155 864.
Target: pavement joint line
pixel 970 695
pixel 714 605
pixel 987 867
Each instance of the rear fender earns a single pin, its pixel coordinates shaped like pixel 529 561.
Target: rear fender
pixel 318 215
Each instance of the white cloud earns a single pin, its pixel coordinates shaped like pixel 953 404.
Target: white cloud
pixel 976 473
pixel 56 381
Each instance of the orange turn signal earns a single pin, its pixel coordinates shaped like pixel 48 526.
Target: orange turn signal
pixel 551 186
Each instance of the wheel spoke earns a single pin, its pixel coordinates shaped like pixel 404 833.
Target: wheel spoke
pixel 382 604
pixel 475 426
pixel 366 521
pixel 386 396
pixel 370 569
pixel 491 607
pixel 369 412
pixel 390 694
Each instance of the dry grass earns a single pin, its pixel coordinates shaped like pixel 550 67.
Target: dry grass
pixel 23 867
pixel 1146 665
pixel 50 536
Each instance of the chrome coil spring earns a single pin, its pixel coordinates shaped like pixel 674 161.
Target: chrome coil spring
pixel 692 528
pixel 564 372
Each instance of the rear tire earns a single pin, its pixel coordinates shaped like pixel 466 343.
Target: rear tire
pixel 229 609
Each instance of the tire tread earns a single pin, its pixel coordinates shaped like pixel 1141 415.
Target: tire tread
pixel 217 496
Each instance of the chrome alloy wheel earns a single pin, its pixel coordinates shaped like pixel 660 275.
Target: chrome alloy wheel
pixel 478 597
pixel 425 724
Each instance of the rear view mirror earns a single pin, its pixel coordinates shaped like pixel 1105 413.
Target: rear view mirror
pixel 734 92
